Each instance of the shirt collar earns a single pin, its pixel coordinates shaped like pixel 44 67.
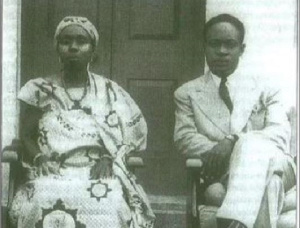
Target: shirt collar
pixel 217 80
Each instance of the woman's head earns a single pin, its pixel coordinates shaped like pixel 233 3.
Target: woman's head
pixel 75 40
pixel 79 21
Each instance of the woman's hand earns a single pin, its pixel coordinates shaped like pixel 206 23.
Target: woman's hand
pixel 102 169
pixel 46 165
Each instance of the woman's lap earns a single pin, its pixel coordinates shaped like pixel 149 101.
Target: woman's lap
pixel 94 203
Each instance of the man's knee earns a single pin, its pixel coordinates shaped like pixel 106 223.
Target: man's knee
pixel 254 144
pixel 215 194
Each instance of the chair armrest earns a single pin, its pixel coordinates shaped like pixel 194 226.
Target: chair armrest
pixel 12 153
pixel 195 191
pixel 135 162
pixel 9 156
pixel 194 163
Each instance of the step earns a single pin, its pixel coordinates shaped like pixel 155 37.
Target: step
pixel 169 211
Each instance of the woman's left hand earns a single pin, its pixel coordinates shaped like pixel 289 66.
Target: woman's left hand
pixel 102 169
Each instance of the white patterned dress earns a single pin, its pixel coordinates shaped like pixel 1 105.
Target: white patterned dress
pixel 108 121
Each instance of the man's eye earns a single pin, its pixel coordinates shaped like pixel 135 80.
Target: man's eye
pixel 231 44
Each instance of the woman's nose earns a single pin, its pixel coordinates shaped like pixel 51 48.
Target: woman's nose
pixel 73 46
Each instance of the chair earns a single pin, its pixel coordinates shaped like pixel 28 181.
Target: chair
pixel 13 155
pixel 200 214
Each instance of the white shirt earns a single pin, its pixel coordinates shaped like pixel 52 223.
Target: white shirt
pixel 230 83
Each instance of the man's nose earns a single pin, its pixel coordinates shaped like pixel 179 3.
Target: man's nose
pixel 223 49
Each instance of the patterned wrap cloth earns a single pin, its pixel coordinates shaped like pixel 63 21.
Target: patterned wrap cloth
pixel 109 122
pixel 80 21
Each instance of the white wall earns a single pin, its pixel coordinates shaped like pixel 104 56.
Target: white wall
pixel 10 70
pixel 270 38
pixel 10 79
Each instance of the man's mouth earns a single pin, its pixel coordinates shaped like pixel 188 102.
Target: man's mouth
pixel 221 63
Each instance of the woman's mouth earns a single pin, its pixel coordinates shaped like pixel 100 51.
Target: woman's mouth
pixel 73 58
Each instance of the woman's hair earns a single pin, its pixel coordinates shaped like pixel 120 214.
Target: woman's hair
pixel 226 18
pixel 80 21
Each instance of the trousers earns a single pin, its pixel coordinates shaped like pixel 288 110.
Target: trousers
pixel 259 175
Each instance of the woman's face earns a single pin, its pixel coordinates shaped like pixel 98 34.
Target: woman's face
pixel 75 47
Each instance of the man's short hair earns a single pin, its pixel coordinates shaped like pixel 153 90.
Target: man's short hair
pixel 226 18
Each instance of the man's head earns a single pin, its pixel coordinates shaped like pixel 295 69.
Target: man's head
pixel 224 37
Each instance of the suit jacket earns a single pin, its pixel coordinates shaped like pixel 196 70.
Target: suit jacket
pixel 203 119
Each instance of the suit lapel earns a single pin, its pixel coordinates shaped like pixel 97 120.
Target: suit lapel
pixel 206 98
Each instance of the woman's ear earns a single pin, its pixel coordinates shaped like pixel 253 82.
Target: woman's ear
pixel 94 57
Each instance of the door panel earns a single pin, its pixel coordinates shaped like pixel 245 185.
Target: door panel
pixel 153 19
pixel 156 46
pixel 149 47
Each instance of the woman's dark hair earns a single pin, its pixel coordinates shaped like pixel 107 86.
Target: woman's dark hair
pixel 226 18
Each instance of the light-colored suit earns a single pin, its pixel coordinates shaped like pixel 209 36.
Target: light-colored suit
pixel 258 118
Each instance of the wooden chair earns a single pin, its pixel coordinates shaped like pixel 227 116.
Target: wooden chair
pixel 200 214
pixel 13 155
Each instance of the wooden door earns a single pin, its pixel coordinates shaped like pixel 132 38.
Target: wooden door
pixel 156 46
pixel 149 47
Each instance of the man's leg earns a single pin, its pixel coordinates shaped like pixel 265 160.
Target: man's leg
pixel 273 199
pixel 251 169
pixel 271 204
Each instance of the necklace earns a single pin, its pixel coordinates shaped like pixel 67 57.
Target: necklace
pixel 76 102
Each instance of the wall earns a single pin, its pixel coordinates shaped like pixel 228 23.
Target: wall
pixel 270 38
pixel 10 79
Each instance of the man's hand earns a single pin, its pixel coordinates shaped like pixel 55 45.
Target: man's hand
pixel 217 159
pixel 102 169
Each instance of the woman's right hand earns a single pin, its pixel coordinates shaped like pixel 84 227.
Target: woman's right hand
pixel 45 165
pixel 102 169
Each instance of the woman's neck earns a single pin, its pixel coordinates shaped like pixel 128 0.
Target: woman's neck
pixel 75 78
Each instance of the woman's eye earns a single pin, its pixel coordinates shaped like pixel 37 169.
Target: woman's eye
pixel 213 43
pixel 65 41
pixel 82 40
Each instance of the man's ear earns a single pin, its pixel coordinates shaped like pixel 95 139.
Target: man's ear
pixel 243 49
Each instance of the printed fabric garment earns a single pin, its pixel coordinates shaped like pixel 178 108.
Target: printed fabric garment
pixel 108 122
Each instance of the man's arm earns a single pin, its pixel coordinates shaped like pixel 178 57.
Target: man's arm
pixel 277 128
pixel 186 136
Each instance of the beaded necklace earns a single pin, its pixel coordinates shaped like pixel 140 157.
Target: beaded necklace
pixel 77 102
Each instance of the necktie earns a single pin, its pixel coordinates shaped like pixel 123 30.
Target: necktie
pixel 224 94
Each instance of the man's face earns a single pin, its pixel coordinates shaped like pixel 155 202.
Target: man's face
pixel 223 48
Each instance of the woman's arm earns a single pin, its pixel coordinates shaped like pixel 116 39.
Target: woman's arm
pixel 30 117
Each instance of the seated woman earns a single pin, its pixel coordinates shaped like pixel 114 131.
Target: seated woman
pixel 79 129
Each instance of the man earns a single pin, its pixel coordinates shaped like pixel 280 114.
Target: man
pixel 236 125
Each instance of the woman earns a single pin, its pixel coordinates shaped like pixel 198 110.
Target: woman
pixel 85 126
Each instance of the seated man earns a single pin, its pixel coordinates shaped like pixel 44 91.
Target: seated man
pixel 238 126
